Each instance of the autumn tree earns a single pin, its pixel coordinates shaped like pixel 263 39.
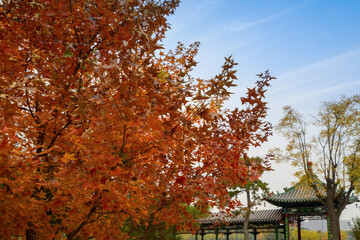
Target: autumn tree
pixel 100 128
pixel 330 159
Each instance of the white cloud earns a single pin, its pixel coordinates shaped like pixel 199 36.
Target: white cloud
pixel 321 64
pixel 240 26
pixel 327 78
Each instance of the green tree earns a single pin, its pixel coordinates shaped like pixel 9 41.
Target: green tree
pixel 355 227
pixel 255 190
pixel 330 159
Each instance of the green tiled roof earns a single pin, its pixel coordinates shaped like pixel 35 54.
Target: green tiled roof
pixel 259 216
pixel 353 199
pixel 296 195
pixel 300 195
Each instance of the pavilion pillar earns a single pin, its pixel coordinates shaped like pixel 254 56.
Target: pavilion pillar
pixel 299 227
pixel 286 232
pixel 227 234
pixel 255 233
pixel 328 227
pixel 276 232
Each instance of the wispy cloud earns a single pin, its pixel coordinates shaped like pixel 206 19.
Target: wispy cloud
pixel 329 91
pixel 240 26
pixel 321 80
pixel 321 64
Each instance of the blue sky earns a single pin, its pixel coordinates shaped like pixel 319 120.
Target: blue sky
pixel 312 47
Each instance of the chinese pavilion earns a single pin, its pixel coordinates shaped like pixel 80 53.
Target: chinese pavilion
pixel 264 220
pixel 297 203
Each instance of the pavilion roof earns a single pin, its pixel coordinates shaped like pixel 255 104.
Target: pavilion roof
pixel 301 195
pixel 258 216
pixel 296 195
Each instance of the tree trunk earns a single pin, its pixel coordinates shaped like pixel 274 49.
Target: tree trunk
pixel 247 215
pixel 246 223
pixel 334 213
pixel 31 234
pixel 334 225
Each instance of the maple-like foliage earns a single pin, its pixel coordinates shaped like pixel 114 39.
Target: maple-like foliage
pixel 103 132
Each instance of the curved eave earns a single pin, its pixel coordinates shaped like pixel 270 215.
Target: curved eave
pixel 258 216
pixel 296 196
pixel 298 203
pixel 280 201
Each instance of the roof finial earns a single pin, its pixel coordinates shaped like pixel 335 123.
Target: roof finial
pixel 309 166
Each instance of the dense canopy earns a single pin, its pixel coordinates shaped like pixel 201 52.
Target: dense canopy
pixel 103 133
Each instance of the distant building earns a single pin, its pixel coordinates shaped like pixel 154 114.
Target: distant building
pixel 345 225
pixel 316 225
pixel 320 225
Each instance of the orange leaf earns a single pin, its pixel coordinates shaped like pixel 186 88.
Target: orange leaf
pixel 68 157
